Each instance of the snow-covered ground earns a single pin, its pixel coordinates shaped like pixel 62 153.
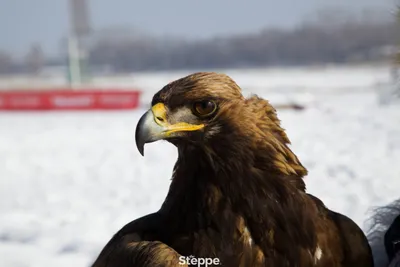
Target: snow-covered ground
pixel 70 180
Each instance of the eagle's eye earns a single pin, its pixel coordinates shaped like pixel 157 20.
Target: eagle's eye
pixel 204 108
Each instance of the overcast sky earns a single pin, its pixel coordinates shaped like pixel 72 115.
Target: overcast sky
pixel 23 22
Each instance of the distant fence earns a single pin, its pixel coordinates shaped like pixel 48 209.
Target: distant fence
pixel 67 99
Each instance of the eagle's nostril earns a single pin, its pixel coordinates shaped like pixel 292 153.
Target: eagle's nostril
pixel 160 119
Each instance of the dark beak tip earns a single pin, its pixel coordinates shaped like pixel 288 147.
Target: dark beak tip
pixel 139 144
pixel 141 150
pixel 139 136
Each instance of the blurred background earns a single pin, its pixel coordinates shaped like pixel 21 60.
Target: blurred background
pixel 76 75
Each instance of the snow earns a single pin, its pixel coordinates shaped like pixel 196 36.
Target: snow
pixel 70 180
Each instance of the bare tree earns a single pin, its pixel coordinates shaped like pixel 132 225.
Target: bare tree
pixel 35 59
pixel 6 63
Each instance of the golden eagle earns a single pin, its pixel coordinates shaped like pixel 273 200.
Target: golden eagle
pixel 237 191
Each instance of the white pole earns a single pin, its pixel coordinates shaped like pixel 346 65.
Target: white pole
pixel 74 64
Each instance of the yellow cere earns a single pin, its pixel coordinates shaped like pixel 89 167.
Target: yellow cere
pixel 159 112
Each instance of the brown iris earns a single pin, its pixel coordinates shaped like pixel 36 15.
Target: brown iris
pixel 204 108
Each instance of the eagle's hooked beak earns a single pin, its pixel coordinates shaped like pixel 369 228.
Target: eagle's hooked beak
pixel 153 126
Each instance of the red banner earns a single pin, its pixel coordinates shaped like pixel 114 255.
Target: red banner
pixel 69 100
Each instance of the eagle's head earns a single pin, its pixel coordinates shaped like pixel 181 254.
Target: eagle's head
pixel 207 111
pixel 188 110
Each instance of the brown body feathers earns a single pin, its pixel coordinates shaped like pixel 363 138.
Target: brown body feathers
pixel 237 192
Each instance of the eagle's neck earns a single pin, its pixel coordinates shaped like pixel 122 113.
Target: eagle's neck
pixel 239 188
